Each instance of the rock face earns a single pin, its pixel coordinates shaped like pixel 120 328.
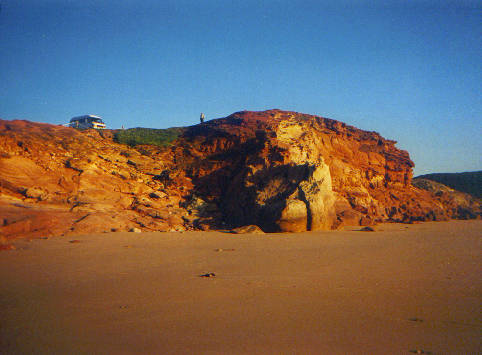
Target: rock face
pixel 469 182
pixel 261 169
pixel 57 180
pixel 287 171
pixel 457 204
pixel 282 171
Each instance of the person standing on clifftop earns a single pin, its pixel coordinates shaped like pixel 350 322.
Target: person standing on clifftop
pixel 202 117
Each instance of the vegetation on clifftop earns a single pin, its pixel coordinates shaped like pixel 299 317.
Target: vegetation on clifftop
pixel 150 136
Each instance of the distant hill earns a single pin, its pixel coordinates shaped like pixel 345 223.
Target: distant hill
pixel 469 182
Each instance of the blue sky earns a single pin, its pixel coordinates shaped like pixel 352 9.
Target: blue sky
pixel 410 70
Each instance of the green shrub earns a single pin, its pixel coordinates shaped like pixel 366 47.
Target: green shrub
pixel 149 136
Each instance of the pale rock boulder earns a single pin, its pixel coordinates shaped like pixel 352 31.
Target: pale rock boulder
pixel 36 193
pixel 311 205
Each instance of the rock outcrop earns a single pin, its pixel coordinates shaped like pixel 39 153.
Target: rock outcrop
pixel 287 171
pixel 57 180
pixel 282 171
pixel 457 205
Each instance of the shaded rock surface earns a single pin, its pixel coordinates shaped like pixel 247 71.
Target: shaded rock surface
pixel 458 205
pixel 469 182
pixel 281 171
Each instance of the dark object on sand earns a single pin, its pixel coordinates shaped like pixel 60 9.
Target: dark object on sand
pixel 367 229
pixel 414 319
pixel 209 274
pixel 74 241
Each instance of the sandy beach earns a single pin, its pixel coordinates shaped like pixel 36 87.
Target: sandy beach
pixel 398 290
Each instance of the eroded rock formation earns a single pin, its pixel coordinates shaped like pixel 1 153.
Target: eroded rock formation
pixel 282 171
pixel 56 180
pixel 287 171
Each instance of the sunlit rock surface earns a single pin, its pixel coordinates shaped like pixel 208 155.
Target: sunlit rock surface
pixel 282 171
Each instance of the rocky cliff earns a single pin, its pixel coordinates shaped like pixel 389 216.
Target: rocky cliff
pixel 282 171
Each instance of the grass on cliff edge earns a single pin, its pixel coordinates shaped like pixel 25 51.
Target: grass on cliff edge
pixel 149 136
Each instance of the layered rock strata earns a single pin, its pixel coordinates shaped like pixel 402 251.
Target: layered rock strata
pixel 57 180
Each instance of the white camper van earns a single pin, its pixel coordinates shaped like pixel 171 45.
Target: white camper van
pixel 87 121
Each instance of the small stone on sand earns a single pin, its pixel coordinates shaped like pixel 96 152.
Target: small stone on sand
pixel 414 319
pixel 209 274
pixel 420 351
pixel 250 229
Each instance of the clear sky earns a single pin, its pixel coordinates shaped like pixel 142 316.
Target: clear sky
pixel 410 70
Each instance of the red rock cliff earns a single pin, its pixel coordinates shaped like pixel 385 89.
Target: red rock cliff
pixel 287 171
pixel 283 171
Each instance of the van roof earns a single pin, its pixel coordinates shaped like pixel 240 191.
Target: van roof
pixel 84 116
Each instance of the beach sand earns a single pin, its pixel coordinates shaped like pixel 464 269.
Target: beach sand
pixel 399 289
